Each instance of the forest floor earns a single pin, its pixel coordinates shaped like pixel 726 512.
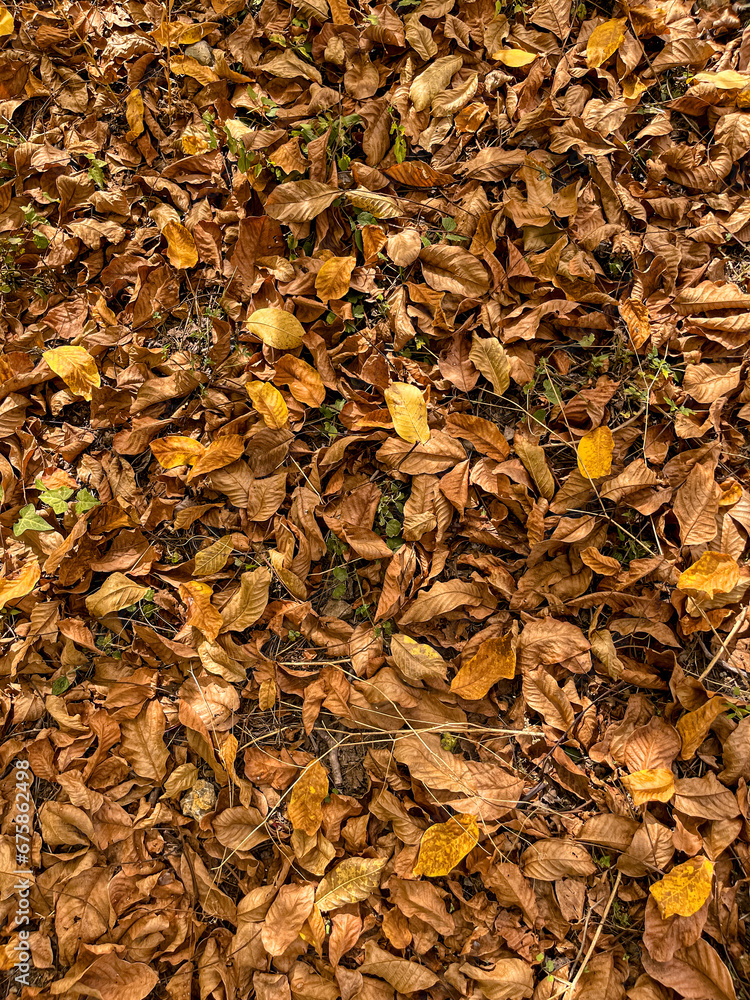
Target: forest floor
pixel 375 500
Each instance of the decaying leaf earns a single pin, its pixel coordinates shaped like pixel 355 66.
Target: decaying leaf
pixel 714 572
pixel 444 845
pixel 685 889
pixel 349 882
pixel 305 803
pixel 494 660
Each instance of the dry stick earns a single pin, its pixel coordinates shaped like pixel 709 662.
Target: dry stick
pixel 735 629
pixel 571 989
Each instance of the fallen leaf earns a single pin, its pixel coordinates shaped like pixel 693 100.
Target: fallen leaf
pixel 604 41
pixel 276 328
pixel 349 882
pixel 305 803
pixel 494 660
pixel 445 845
pixel 595 453
pixel 181 249
pixel 333 279
pixel 76 368
pixel 408 411
pixel 650 785
pixel 684 890
pixel 714 572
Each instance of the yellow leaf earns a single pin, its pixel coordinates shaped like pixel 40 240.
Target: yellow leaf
pixel 213 558
pixel 266 695
pixel 117 593
pixel 604 41
pixel 444 845
pixel 595 453
pixel 306 801
pixel 727 79
pixel 228 755
pixel 76 368
pixel 134 113
pixel 181 250
pixel 654 784
pixel 269 403
pixel 494 660
pixel 333 279
pixel 489 358
pixel 408 411
pixel 248 603
pixel 351 881
pixel 276 328
pixel 201 612
pixel 715 572
pixel 378 205
pixel 432 80
pixel 6 21
pixel 195 139
pixel 21 582
pixel 633 87
pixel 685 889
pixel 175 450
pixel 514 58
pixel 693 727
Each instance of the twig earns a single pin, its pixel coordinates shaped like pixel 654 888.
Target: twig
pixel 735 629
pixel 582 968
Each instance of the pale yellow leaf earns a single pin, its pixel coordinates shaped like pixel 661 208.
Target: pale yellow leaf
pixel 176 450
pixel 276 328
pixel 134 113
pixel 269 403
pixel 201 612
pixel 489 357
pixel 514 58
pixel 408 410
pixel 117 593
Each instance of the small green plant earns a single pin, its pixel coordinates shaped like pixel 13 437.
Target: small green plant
pixel 397 131
pixel 96 171
pixel 389 517
pixel 330 414
pixel 145 606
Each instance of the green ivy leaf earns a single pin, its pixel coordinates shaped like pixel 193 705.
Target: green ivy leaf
pixel 85 501
pixel 29 520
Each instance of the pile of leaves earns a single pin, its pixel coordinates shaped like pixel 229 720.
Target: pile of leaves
pixel 375 498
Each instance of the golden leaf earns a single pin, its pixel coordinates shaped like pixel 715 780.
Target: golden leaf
pixel 76 368
pixel 6 21
pixel 201 612
pixel 228 755
pixel 727 79
pixel 276 328
pixel 494 660
pixel 195 139
pixel 351 881
pixel 134 113
pixel 655 784
pixel 246 606
pixel 635 314
pixel 514 58
pixel 20 583
pixel 489 358
pixel 693 727
pixel 378 205
pixel 534 461
pixel 176 450
pixel 595 453
pixel 213 558
pixel 304 382
pixel 181 250
pixel 685 889
pixel 306 801
pixel 269 403
pixel 604 41
pixel 333 279
pixel 117 593
pixel 408 411
pixel 266 695
pixel 444 845
pixel 732 493
pixel 221 452
pixel 417 661
pixel 715 572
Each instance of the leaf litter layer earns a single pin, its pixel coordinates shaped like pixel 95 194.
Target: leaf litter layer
pixel 375 498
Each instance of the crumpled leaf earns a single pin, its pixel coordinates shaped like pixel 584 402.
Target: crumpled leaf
pixel 493 661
